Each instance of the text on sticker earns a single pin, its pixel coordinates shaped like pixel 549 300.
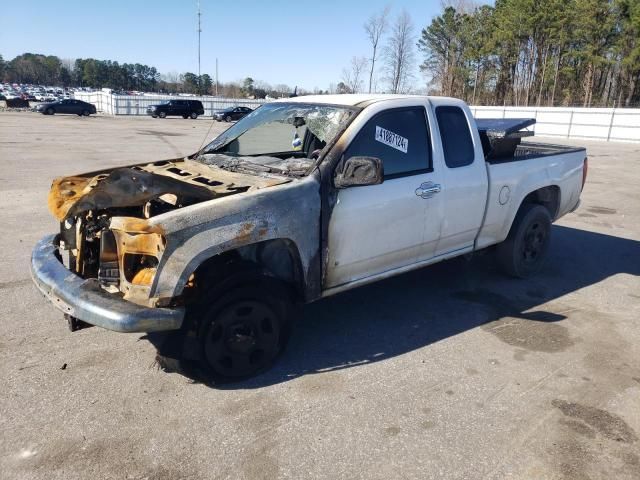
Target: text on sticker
pixel 392 139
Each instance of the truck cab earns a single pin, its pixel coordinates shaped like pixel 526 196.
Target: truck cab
pixel 431 201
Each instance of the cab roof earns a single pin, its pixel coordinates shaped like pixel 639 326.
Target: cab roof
pixel 350 99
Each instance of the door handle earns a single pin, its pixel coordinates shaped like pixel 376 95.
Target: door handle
pixel 428 190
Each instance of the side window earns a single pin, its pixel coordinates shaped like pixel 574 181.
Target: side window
pixel 398 137
pixel 457 143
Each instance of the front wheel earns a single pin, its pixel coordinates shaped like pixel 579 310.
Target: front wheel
pixel 193 115
pixel 227 119
pixel 85 113
pixel 50 111
pixel 244 330
pixel 162 115
pixel 524 251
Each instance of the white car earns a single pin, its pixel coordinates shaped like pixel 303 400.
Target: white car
pixel 299 200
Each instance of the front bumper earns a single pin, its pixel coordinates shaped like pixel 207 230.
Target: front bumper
pixel 86 300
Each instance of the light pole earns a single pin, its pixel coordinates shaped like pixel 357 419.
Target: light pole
pixel 199 32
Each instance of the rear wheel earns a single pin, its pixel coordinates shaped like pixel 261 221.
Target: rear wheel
pixel 193 115
pixel 243 331
pixel 185 116
pixel 524 251
pixel 162 115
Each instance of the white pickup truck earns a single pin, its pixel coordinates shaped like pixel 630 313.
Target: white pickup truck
pixel 301 199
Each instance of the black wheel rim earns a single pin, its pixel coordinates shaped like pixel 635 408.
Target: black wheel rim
pixel 243 339
pixel 534 243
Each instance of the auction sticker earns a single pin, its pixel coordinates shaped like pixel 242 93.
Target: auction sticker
pixel 392 139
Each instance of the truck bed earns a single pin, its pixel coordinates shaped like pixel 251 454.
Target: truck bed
pixel 531 150
pixel 502 141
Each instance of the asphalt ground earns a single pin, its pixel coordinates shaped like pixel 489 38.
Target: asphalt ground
pixel 452 371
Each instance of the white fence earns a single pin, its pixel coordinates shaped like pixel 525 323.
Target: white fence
pixel 137 104
pixel 610 124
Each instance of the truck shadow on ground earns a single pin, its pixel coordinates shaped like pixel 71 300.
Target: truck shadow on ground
pixel 408 312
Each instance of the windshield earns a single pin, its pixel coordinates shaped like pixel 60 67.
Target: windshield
pixel 278 137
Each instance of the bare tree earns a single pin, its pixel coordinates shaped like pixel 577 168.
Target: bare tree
pixel 375 28
pixel 352 76
pixel 283 89
pixel 399 54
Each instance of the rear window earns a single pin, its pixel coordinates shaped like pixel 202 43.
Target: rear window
pixel 399 138
pixel 457 143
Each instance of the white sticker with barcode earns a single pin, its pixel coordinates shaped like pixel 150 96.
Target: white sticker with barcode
pixel 392 139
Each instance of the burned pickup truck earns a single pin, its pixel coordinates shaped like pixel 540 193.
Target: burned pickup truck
pixel 301 199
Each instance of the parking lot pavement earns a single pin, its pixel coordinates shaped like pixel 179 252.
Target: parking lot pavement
pixel 452 371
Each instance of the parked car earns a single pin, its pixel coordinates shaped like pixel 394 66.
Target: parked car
pixel 310 197
pixel 231 113
pixel 178 108
pixel 72 106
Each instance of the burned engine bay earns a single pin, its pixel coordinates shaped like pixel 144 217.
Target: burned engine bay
pixel 104 232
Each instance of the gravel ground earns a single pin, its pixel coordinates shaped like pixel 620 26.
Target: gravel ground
pixel 449 372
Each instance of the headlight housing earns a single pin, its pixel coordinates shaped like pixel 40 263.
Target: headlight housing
pixel 139 249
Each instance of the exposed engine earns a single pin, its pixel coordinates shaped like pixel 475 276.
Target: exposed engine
pixel 104 227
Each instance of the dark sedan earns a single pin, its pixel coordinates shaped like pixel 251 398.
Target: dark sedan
pixel 69 105
pixel 231 113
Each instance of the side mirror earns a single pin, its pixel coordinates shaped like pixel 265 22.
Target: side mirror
pixel 358 172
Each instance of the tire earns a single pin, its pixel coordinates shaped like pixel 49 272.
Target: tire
pixel 85 113
pixel 227 118
pixel 244 330
pixel 185 116
pixel 50 111
pixel 162 115
pixel 193 115
pixel 154 116
pixel 523 253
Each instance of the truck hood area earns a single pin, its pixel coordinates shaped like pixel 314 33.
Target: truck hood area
pixel 167 184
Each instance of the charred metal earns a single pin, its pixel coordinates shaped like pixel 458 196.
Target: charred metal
pixel 113 226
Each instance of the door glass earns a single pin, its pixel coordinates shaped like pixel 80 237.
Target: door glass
pixel 398 137
pixel 457 144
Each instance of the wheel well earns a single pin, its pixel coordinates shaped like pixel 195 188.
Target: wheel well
pixel 548 197
pixel 276 258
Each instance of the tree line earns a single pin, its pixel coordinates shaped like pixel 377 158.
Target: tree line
pixel 50 70
pixel 516 52
pixel 536 52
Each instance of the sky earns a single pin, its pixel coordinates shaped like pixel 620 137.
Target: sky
pixel 304 43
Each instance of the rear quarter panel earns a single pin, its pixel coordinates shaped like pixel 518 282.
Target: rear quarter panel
pixel 510 183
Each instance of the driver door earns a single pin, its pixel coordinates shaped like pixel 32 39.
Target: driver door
pixel 64 107
pixel 379 228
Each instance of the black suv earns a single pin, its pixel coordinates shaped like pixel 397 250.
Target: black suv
pixel 178 108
